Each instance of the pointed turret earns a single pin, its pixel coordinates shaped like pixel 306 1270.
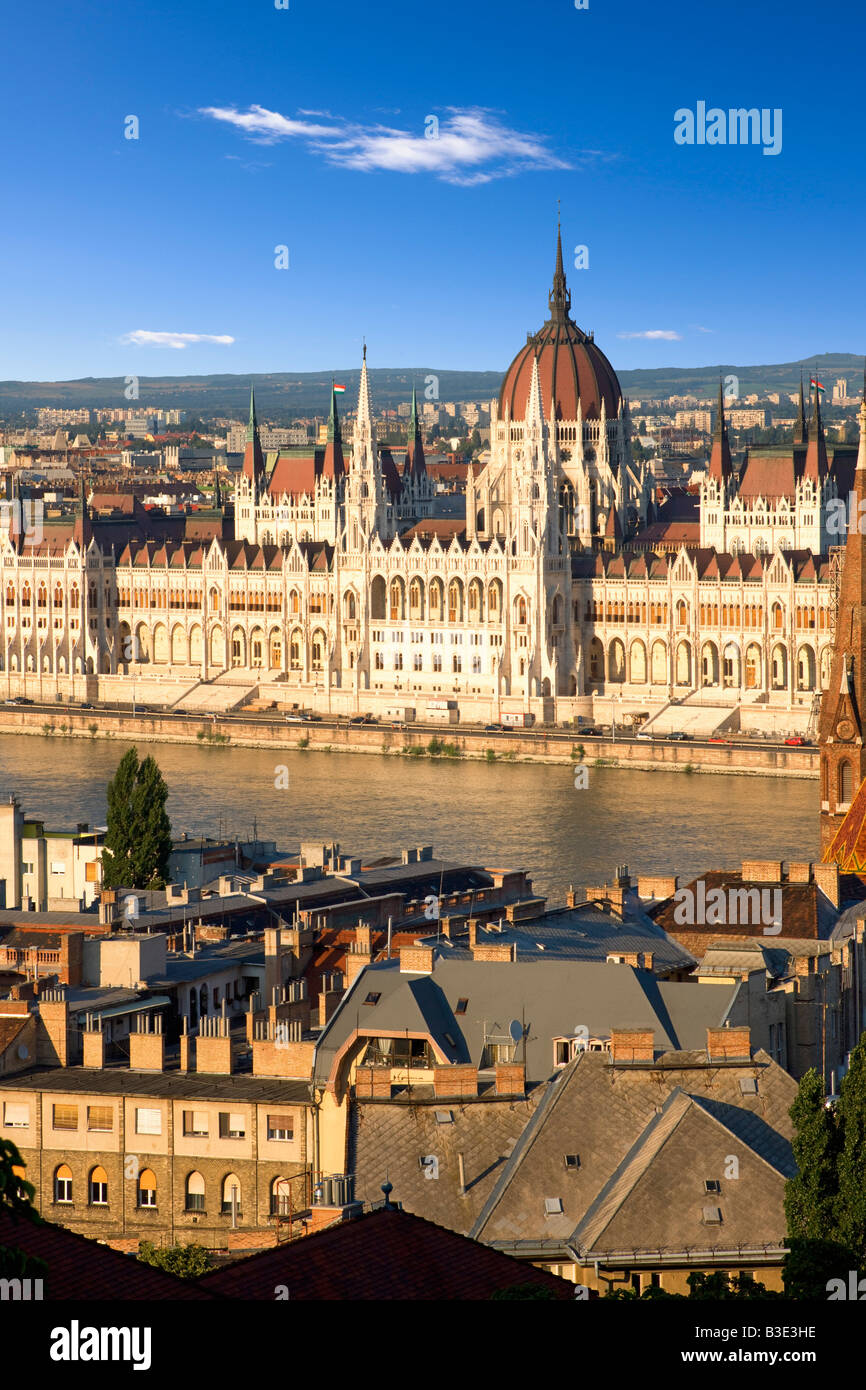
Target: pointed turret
pixel 254 463
pixel 535 405
pixel 720 457
pixel 333 466
pixel 364 416
pixel 816 449
pixel 559 298
pixel 415 463
pixel 82 531
pixel 800 427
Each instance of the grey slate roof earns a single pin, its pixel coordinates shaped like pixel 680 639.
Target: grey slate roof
pixel 642 1134
pixel 550 999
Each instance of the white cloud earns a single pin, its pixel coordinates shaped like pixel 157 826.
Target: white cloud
pixel 143 337
pixel 471 146
pixel 698 328
pixel 654 333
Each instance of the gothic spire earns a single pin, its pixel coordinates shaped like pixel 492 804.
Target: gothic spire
pixel 816 449
pixel 720 457
pixel 559 298
pixel 414 444
pixel 254 463
pixel 332 465
pixel 800 427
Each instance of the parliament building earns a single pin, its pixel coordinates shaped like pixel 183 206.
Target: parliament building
pixel 566 586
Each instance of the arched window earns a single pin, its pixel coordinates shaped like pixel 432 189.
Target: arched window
pixel 455 601
pixel 42 597
pixel 10 593
pixel 396 600
pixel 318 650
pixel 295 651
pixel 147 1188
pixel 349 607
pixel 25 595
pixel 493 604
pixel 63 1184
pixel 520 611
pixel 98 1187
pixel 74 596
pixel 58 596
pixel 231 1194
pixel 194 1192
pixel 377 597
pixel 416 599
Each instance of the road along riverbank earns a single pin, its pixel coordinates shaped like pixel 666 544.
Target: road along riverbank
pixel 411 741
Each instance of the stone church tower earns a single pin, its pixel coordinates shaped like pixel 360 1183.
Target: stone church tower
pixel 843 707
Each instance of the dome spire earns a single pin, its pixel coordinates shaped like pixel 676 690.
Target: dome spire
pixel 559 298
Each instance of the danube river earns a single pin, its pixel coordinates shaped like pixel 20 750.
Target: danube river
pixel 525 815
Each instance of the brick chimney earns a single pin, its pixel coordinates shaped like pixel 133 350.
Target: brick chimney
pixel 52 1046
pixel 416 960
pixel 213 1048
pixel 762 870
pixel 631 1045
pixel 510 1079
pixel 455 1081
pixel 356 961
pixel 827 878
pixel 728 1044
pixel 147 1044
pixel 93 1040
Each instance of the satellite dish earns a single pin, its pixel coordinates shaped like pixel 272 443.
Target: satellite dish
pixel 515 1029
pixel 23 1051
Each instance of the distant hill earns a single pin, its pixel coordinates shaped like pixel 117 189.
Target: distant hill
pixel 284 394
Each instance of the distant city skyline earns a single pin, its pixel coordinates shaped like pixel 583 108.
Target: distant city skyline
pixel 406 169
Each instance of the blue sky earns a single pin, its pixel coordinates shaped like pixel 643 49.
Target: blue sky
pixel 305 127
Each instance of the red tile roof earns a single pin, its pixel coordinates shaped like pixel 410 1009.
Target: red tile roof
pixel 82 1268
pixel 383 1255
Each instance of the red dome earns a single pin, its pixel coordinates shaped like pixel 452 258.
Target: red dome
pixel 570 366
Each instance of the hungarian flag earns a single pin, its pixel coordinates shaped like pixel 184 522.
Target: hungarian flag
pixel 342 388
pixel 813 382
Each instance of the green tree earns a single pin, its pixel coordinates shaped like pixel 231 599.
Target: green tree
pixel 811 1196
pixel 850 1116
pixel 184 1261
pixel 138 838
pixel 16 1198
pixel 810 1265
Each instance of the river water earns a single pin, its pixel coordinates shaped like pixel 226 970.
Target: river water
pixel 500 815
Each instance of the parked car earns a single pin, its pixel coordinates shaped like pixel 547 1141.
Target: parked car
pixel 295 719
pixel 795 741
pixel 85 704
pixel 358 719
pixel 679 737
pixel 494 728
pixel 25 700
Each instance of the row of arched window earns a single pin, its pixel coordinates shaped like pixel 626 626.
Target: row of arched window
pixel 42 595
pixel 474 601
pixel 230 1194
